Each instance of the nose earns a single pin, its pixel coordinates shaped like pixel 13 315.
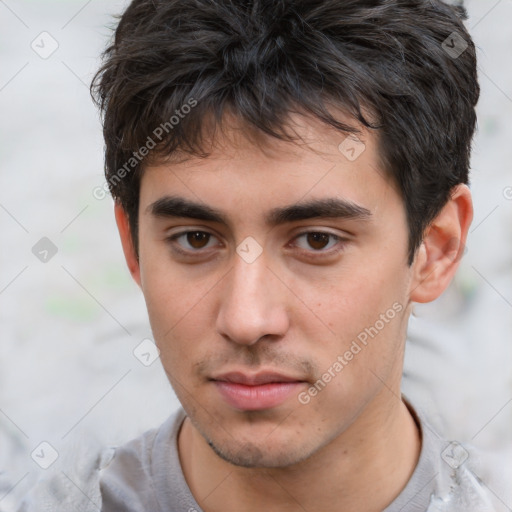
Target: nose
pixel 253 303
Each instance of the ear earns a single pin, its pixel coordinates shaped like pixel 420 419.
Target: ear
pixel 127 241
pixel 443 246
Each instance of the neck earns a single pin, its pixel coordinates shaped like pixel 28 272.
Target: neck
pixel 366 467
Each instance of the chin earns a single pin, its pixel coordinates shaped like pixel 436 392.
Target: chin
pixel 276 448
pixel 258 455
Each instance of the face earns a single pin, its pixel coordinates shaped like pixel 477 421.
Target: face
pixel 280 305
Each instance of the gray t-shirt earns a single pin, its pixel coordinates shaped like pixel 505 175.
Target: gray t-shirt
pixel 145 475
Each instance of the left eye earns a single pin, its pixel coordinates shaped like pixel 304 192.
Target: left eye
pixel 318 240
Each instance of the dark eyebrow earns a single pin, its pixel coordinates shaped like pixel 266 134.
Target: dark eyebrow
pixel 173 206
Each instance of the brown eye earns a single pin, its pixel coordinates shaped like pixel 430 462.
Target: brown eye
pixel 198 239
pixel 190 242
pixel 318 240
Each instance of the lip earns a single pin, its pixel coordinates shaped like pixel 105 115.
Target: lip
pixel 256 392
pixel 255 379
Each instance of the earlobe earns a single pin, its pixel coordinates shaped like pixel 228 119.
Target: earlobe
pixel 123 226
pixel 443 246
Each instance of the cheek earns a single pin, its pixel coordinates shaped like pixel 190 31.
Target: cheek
pixel 178 313
pixel 168 291
pixel 362 312
pixel 366 351
pixel 354 298
pixel 174 310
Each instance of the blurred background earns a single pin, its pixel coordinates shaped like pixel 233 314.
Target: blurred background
pixel 71 318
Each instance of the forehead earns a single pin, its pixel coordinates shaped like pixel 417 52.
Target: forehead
pixel 246 169
pixel 232 137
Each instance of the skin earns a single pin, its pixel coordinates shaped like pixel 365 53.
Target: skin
pixel 294 310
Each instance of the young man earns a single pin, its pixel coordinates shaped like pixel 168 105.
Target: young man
pixel 290 177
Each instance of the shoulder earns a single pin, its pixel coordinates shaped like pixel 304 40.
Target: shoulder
pixel 72 481
pixel 130 472
pixel 472 479
pixel 466 477
pixel 87 477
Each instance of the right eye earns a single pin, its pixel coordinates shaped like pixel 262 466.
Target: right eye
pixel 190 242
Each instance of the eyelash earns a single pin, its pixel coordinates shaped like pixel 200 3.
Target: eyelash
pixel 340 243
